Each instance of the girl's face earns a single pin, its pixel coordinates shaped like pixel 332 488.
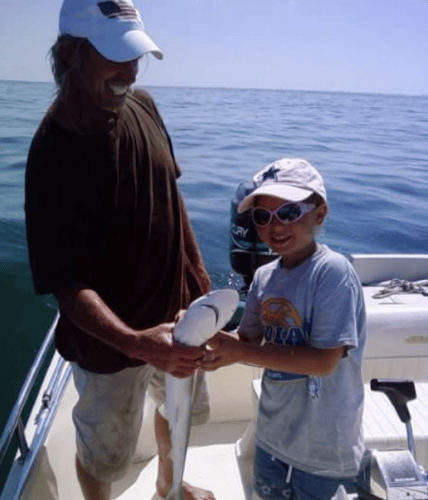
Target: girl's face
pixel 293 242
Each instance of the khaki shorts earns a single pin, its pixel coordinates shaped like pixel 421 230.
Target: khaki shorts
pixel 108 420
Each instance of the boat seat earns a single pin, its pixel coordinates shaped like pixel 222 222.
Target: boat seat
pixel 397 340
pixel 372 268
pixel 383 430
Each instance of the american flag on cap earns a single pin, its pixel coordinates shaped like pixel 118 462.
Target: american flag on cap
pixel 113 9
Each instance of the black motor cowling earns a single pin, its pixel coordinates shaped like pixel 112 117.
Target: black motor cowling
pixel 247 252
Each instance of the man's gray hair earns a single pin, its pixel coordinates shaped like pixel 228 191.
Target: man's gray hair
pixel 62 51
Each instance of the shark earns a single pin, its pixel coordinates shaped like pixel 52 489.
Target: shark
pixel 203 319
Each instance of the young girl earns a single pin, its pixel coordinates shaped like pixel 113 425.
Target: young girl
pixel 304 322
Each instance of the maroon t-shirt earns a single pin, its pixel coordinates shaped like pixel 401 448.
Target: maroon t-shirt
pixel 104 210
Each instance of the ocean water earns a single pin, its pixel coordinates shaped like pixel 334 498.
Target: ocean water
pixel 372 150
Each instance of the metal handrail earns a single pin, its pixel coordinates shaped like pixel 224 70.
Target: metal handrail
pixel 51 400
pixel 14 424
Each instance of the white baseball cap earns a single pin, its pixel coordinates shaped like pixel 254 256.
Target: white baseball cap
pixel 291 179
pixel 114 28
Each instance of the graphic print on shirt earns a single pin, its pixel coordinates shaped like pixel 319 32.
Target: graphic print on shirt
pixel 282 326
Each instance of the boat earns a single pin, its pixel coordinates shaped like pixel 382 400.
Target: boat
pixel 220 452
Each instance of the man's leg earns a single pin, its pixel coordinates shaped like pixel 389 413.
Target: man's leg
pixel 92 489
pixel 200 414
pixel 164 479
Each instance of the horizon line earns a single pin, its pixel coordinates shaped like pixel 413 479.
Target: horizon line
pixel 372 92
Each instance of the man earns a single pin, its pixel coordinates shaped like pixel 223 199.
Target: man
pixel 109 236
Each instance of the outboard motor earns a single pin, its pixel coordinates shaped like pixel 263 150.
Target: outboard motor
pixel 247 252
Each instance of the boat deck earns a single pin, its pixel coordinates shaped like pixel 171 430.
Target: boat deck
pixel 224 478
pixel 223 447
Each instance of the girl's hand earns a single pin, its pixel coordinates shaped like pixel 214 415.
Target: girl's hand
pixel 222 350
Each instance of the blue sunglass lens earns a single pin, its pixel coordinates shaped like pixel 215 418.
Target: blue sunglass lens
pixel 289 213
pixel 261 216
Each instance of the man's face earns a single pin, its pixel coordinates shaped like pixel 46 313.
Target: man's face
pixel 106 82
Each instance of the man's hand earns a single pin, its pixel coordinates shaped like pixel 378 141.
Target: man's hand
pixel 157 347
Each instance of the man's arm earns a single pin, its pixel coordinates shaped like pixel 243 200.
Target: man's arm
pixel 86 309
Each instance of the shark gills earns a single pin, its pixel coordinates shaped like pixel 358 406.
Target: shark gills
pixel 203 319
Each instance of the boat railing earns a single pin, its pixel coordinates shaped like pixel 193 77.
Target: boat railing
pixel 50 400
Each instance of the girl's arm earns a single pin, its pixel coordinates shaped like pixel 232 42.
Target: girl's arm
pixel 304 360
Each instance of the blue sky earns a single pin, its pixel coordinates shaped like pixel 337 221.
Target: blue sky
pixel 332 45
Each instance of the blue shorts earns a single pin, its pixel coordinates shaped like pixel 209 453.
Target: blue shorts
pixel 276 480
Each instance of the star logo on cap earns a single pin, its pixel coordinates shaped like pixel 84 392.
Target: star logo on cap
pixel 271 173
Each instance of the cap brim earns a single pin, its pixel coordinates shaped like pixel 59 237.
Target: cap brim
pixel 126 46
pixel 285 192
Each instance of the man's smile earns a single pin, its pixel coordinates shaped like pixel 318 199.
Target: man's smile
pixel 118 89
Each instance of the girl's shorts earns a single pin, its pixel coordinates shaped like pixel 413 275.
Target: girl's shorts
pixel 276 480
pixel 109 413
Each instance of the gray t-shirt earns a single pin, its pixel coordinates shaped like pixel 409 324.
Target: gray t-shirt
pixel 311 423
